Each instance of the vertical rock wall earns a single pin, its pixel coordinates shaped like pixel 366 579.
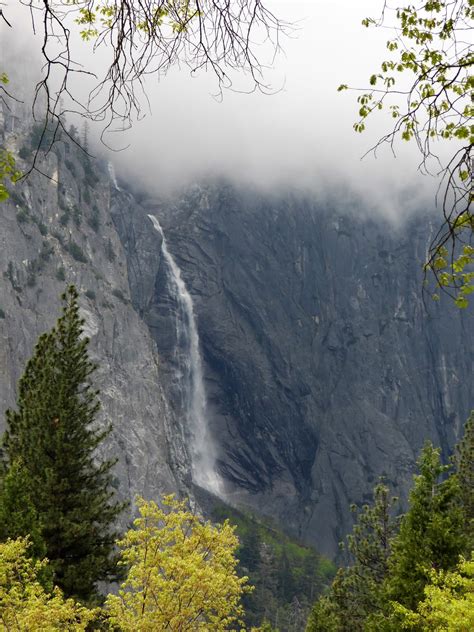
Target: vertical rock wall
pixel 324 367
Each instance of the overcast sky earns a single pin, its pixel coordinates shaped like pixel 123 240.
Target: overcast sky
pixel 300 136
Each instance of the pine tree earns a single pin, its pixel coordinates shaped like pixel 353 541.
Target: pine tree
pixel 18 515
pixel 465 470
pixel 431 533
pixel 53 433
pixel 356 592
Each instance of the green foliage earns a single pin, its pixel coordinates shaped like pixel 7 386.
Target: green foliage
pixel 8 171
pixel 53 434
pixel 45 252
pixel 325 616
pixel 61 273
pixel 181 573
pixel 464 460
pixel 57 235
pixel 18 514
pixel 119 294
pixel 43 229
pixel 12 275
pixel 357 591
pixel 70 166
pixel 25 604
pixel 94 219
pixel 76 252
pixel 287 576
pixel 22 216
pixel 427 86
pixel 453 269
pixel 431 532
pixel 100 17
pixel 448 604
pixel 65 217
pixel 109 251
pixel 76 216
pixel 394 578
pixel 42 136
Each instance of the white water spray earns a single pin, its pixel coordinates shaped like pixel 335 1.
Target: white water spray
pixel 112 176
pixel 203 451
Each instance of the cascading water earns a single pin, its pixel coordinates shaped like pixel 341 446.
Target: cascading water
pixel 190 376
pixel 112 176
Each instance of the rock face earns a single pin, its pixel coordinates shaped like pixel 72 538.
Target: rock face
pixel 62 230
pixel 323 370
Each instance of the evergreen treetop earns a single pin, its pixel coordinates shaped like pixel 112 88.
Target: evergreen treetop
pixel 431 533
pixel 54 434
pixel 356 592
pixel 465 471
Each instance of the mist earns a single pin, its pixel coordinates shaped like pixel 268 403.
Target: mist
pixel 298 136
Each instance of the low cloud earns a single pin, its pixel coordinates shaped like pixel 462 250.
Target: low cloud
pixel 301 136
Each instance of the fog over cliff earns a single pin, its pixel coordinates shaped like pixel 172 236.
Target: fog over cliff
pixel 298 136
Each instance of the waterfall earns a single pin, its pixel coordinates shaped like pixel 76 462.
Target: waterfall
pixel 190 375
pixel 112 176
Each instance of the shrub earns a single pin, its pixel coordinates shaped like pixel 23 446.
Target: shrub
pixel 70 166
pixel 86 196
pixel 46 251
pixel 22 216
pixel 76 252
pixel 57 235
pixel 76 216
pixel 93 220
pixel 109 251
pixel 65 217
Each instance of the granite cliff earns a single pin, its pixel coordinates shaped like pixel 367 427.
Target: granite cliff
pixel 322 368
pixel 325 366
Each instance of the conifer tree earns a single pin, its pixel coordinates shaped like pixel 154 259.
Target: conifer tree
pixel 53 433
pixel 356 592
pixel 465 472
pixel 18 515
pixel 431 533
pixel 448 604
